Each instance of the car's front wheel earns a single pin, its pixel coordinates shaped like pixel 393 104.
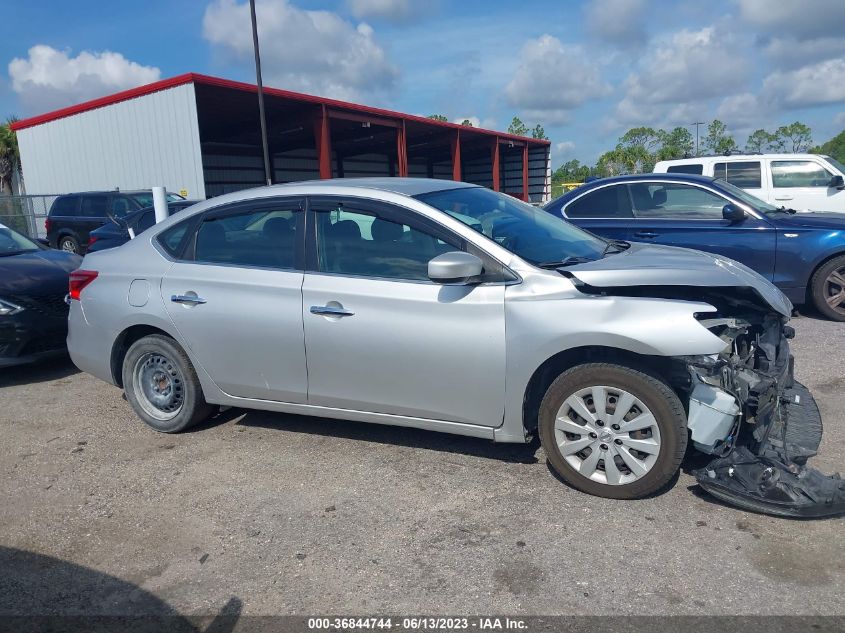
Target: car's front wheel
pixel 613 431
pixel 828 289
pixel 162 386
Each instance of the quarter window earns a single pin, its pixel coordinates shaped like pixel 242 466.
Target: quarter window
pixel 675 201
pixel 94 206
pixel 799 173
pixel 606 202
pixel 264 237
pixel 357 241
pixel 745 175
pixel 691 168
pixel 65 206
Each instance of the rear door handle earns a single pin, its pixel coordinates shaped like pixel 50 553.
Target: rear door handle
pixel 336 311
pixel 783 197
pixel 187 299
pixel 645 234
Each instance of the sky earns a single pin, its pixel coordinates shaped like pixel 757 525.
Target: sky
pixel 586 70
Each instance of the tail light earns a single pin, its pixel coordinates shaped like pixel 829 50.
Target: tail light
pixel 92 239
pixel 47 225
pixel 79 279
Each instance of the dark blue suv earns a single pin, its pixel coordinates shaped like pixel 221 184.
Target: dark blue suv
pixel 803 254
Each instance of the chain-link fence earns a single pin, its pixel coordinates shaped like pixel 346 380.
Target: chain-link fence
pixel 26 214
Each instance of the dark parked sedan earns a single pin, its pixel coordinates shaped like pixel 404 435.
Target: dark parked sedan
pixel 801 253
pixel 113 234
pixel 33 285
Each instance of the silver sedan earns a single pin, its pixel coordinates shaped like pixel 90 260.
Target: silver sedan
pixel 438 305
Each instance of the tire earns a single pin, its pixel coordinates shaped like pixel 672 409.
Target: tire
pixel 634 474
pixel 827 286
pixel 162 386
pixel 68 243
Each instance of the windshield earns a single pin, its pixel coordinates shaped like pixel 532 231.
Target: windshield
pixel 13 243
pixel 743 196
pixel 535 235
pixel 835 163
pixel 146 199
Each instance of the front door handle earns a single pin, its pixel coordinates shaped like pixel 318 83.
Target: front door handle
pixel 783 197
pixel 647 234
pixel 187 299
pixel 334 311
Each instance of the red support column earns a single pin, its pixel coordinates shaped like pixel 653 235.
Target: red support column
pixel 402 150
pixel 456 155
pixel 496 169
pixel 322 134
pixel 525 172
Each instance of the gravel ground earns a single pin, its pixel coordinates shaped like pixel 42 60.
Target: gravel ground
pixel 292 515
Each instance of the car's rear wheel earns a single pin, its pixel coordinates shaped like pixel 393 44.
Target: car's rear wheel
pixel 68 244
pixel 613 431
pixel 162 386
pixel 828 289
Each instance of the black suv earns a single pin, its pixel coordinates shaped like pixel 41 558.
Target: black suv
pixel 73 216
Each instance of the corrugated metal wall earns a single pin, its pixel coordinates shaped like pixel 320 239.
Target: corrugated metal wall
pixel 152 140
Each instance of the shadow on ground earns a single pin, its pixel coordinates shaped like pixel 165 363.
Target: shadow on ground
pixel 42 593
pixel 42 371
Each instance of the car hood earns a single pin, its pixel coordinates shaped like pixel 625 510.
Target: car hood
pixel 655 265
pixel 40 272
pixel 814 220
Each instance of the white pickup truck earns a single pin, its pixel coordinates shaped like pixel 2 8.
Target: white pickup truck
pixel 804 182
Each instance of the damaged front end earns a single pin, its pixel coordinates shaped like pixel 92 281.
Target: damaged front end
pixel 746 409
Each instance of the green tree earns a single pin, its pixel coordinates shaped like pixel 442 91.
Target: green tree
pixel 466 122
pixel 718 141
pixel 517 127
pixel 645 137
pixel 796 135
pixel 539 133
pixel 759 141
pixel 10 158
pixel 438 117
pixel 835 147
pixel 676 143
pixel 570 171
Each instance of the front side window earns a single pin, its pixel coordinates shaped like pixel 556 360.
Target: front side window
pixel 120 206
pixel 355 240
pixel 533 234
pixel 675 201
pixel 94 206
pixel 799 173
pixel 691 168
pixel 745 174
pixel 264 237
pixel 606 202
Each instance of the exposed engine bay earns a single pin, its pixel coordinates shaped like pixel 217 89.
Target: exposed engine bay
pixel 746 409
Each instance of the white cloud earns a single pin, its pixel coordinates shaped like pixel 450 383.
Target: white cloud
pixel 788 52
pixel 839 119
pixel 565 148
pixel 815 84
pixel 740 111
pixel 552 79
pixel 620 22
pixel 48 78
pixel 808 19
pixel 312 51
pixel 487 123
pixel 389 10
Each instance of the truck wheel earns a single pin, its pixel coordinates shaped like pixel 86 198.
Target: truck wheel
pixel 613 431
pixel 69 244
pixel 162 386
pixel 828 289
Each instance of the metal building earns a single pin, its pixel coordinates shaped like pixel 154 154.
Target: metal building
pixel 199 135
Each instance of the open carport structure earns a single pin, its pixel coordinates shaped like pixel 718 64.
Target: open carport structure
pixel 201 135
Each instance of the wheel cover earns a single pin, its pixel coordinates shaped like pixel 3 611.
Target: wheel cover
pixel 607 435
pixel 69 246
pixel 834 290
pixel 158 386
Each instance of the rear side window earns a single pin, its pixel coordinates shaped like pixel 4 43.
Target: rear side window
pixel 120 206
pixel 675 201
pixel 799 173
pixel 606 202
pixel 66 205
pixel 691 168
pixel 94 206
pixel 745 175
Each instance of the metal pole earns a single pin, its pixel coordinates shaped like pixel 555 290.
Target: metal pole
pixel 160 204
pixel 696 124
pixel 264 144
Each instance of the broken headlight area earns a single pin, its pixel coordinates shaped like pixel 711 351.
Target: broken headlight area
pixel 746 409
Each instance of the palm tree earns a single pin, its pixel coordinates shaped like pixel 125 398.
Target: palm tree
pixel 10 158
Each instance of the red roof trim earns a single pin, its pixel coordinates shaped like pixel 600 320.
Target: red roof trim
pixel 208 80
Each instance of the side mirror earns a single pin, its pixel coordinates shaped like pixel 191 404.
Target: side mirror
pixel 733 213
pixel 837 182
pixel 455 267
